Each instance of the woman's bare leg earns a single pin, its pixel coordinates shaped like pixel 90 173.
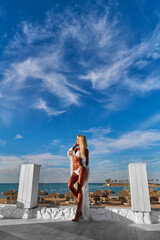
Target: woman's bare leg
pixel 72 181
pixel 81 179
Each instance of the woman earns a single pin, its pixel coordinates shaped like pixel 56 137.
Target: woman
pixel 80 174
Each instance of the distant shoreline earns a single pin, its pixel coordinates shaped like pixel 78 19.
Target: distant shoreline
pixel 127 185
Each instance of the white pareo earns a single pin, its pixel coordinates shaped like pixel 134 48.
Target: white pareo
pixel 86 211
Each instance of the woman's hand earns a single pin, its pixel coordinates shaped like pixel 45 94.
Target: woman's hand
pixel 75 145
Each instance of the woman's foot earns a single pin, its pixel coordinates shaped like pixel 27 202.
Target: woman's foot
pixel 77 216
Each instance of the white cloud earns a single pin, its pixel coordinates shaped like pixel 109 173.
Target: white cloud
pixel 104 162
pixel 107 66
pixel 97 131
pixel 142 139
pixel 116 72
pixel 116 101
pixel 54 168
pixel 56 175
pixel 137 85
pixel 45 160
pixel 101 144
pixel 9 175
pixel 101 174
pixel 6 116
pixel 41 104
pixel 55 142
pixel 36 68
pixel 42 65
pixel 18 136
pixel 151 121
pixel 49 175
pixel 141 63
pixel 105 30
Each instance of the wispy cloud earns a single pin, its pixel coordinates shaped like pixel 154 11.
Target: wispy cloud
pixel 44 66
pixel 101 144
pixel 104 162
pixel 55 142
pixel 49 69
pixel 45 159
pixel 9 175
pixel 18 136
pixel 117 72
pixel 151 121
pixel 41 104
pixel 97 131
pixel 53 168
pixel 56 175
pixel 137 84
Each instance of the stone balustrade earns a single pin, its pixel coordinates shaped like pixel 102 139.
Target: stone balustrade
pixel 66 213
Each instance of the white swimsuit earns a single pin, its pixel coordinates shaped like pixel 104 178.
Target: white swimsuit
pixel 78 153
pixel 86 211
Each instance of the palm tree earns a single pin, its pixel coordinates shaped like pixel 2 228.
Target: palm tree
pixel 108 180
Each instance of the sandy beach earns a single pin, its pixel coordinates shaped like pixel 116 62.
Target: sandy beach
pixel 113 202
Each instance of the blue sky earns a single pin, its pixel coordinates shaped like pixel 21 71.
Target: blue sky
pixel 79 67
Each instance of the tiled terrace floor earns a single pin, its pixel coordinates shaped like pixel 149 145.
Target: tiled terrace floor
pixel 37 229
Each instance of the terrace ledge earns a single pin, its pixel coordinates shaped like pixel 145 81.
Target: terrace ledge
pixel 67 213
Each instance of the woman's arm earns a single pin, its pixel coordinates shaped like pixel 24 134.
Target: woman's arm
pixel 87 157
pixel 87 165
pixel 72 150
pixel 70 153
pixel 74 147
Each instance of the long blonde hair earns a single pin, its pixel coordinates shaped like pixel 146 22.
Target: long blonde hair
pixel 82 144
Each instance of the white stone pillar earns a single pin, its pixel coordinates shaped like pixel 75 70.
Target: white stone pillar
pixel 28 186
pixel 140 200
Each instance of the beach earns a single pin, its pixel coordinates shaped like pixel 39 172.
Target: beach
pixel 113 202
pixel 58 194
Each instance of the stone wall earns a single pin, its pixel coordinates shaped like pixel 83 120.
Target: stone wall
pixel 67 213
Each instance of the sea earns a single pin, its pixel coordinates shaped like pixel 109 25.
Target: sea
pixel 63 188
